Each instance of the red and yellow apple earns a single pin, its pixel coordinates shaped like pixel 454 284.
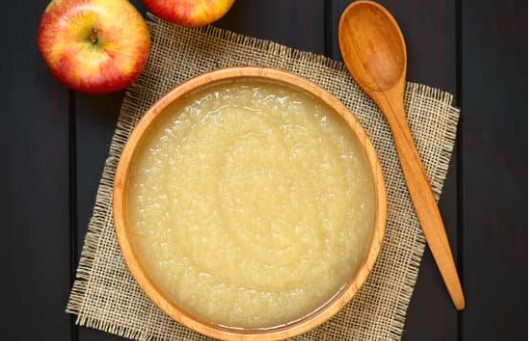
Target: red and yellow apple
pixel 94 46
pixel 189 12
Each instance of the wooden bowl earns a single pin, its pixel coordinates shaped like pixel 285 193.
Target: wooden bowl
pixel 120 217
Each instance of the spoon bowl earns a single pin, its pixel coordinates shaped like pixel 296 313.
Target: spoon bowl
pixel 378 66
pixel 374 52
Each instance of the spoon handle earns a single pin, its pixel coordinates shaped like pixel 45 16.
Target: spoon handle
pixel 422 196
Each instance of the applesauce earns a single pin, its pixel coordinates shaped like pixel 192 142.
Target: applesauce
pixel 250 204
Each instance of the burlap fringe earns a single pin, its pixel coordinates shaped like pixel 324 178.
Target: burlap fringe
pixel 103 203
pixel 270 46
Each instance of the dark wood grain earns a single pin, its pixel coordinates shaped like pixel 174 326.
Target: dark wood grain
pixel 34 178
pixel 96 118
pixel 429 28
pixel 296 23
pixel 494 103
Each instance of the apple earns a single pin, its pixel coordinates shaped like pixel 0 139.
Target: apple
pixel 94 46
pixel 189 12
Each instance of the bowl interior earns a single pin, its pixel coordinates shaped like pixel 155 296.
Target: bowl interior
pixel 134 144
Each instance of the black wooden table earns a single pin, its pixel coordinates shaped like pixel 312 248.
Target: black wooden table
pixel 55 142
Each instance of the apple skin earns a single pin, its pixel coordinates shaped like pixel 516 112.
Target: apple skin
pixel 189 12
pixel 94 46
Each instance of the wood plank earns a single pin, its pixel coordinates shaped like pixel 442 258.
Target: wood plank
pixel 96 118
pixel 34 177
pixel 429 31
pixel 494 92
pixel 286 22
pixel 297 23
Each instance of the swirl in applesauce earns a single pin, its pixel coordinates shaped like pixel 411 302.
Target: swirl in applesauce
pixel 250 204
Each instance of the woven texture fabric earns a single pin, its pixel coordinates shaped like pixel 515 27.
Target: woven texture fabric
pixel 105 295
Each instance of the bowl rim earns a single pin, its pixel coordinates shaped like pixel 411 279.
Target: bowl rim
pixel 321 314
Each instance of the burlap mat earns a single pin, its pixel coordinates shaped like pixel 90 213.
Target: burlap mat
pixel 106 297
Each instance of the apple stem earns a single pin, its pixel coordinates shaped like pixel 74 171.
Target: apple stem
pixel 94 36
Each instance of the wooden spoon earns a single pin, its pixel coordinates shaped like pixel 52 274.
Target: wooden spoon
pixel 374 52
